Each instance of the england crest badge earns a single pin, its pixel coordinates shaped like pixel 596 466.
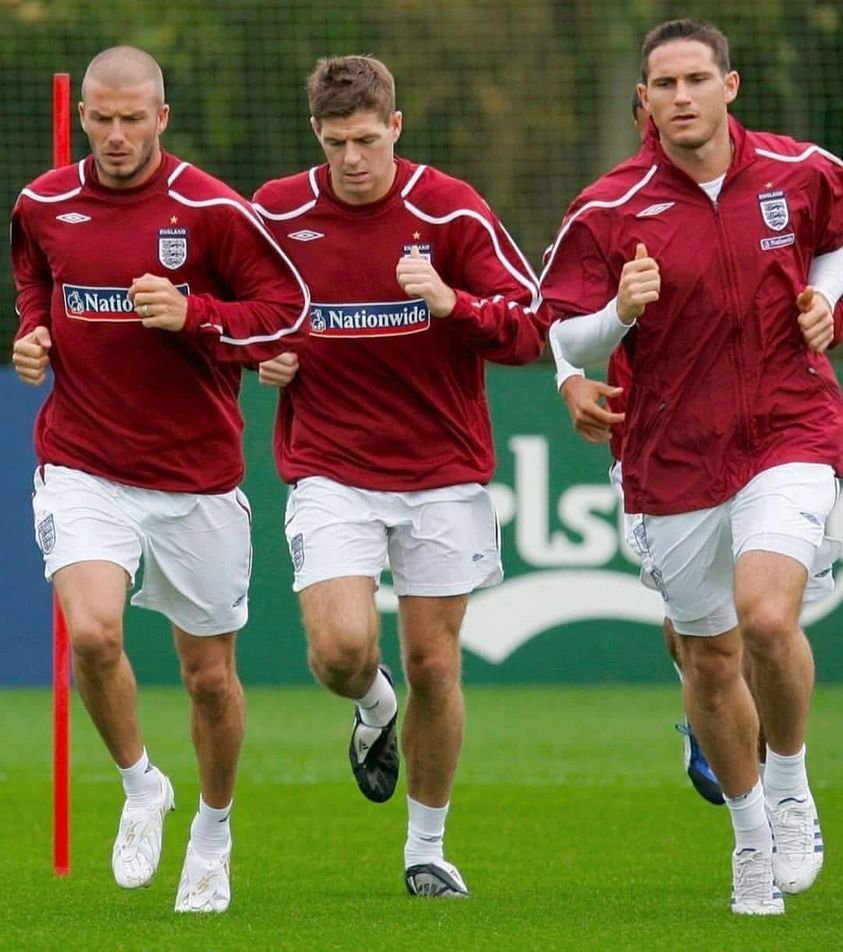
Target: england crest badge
pixel 297 551
pixel 424 249
pixel 172 247
pixel 774 210
pixel 47 534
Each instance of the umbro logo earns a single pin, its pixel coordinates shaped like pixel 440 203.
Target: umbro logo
pixel 73 218
pixel 306 235
pixel 653 210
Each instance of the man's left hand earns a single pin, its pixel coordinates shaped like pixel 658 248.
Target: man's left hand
pixel 159 302
pixel 279 371
pixel 418 278
pixel 815 319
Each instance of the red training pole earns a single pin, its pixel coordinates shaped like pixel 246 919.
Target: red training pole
pixel 61 640
pixel 61 119
pixel 61 742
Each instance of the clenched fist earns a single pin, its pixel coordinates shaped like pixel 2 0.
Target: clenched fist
pixel 639 286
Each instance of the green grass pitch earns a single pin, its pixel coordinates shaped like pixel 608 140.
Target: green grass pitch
pixel 572 822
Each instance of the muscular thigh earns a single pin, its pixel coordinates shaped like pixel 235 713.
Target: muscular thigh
pixel 92 596
pixel 430 629
pixel 205 654
pixel 769 585
pixel 340 608
pixel 424 619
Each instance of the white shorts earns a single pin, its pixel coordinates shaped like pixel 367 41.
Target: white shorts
pixel 632 531
pixel 196 549
pixel 437 542
pixel 692 555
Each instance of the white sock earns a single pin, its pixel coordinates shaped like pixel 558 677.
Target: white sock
pixel 210 831
pixel 425 833
pixel 785 776
pixel 140 780
pixel 749 821
pixel 378 705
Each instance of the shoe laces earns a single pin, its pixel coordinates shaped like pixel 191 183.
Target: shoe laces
pixel 753 871
pixel 793 827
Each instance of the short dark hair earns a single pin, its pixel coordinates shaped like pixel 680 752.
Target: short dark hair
pixel 636 104
pixel 342 85
pixel 686 29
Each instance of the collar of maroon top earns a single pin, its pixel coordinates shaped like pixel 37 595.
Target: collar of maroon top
pixel 165 168
pixel 403 170
pixel 743 152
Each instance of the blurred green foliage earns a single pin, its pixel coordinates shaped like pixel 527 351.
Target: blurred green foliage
pixel 527 99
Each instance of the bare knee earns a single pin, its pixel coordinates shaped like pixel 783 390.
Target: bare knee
pixel 338 655
pixel 432 672
pixel 342 633
pixel 710 665
pixel 767 632
pixel 97 642
pixel 209 683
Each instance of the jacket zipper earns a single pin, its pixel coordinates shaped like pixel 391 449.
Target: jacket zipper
pixel 737 330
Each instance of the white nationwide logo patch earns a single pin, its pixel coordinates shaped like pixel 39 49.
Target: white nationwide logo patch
pixel 73 218
pixel 774 210
pixel 653 210
pixel 172 247
pixel 305 235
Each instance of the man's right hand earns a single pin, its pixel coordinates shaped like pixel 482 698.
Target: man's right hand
pixel 639 286
pixel 590 418
pixel 31 356
pixel 279 371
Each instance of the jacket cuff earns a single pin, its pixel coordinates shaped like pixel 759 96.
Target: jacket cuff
pixel 464 309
